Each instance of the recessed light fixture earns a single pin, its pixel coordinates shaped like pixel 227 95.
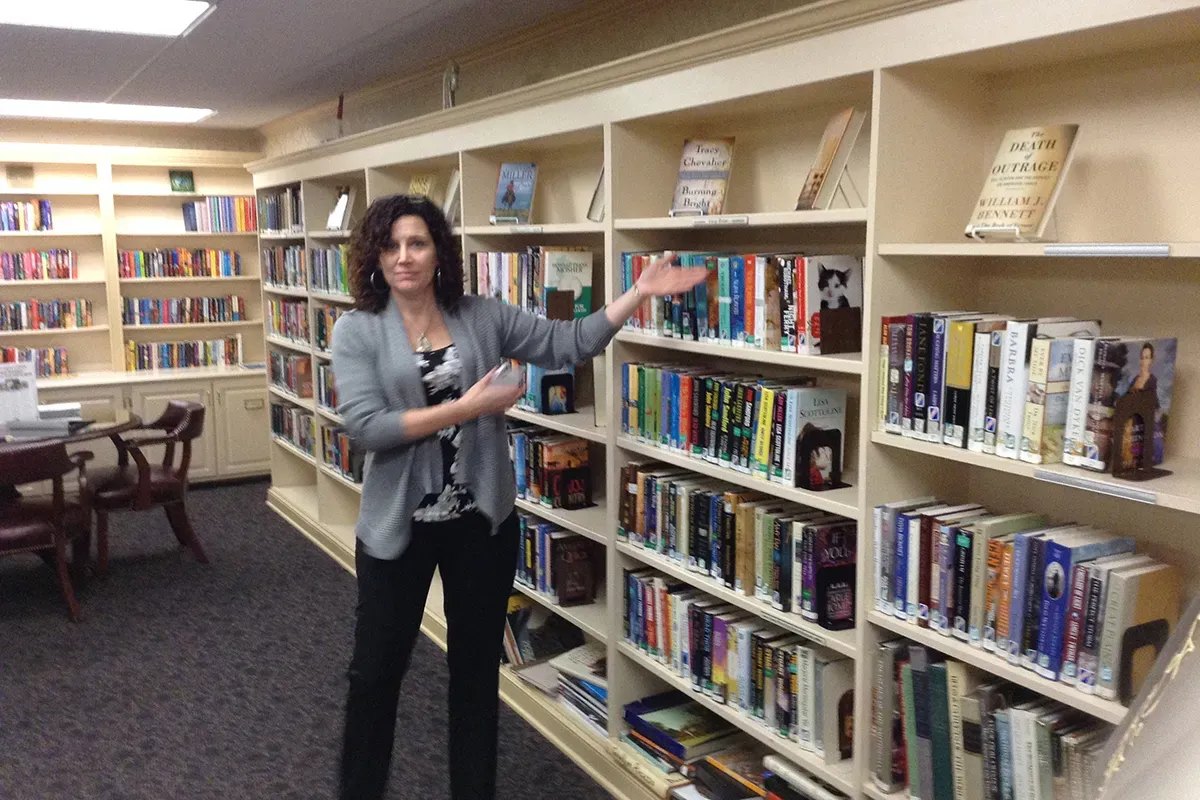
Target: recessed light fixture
pixel 142 17
pixel 109 112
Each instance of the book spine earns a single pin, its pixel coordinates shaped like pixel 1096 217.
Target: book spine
pixel 981 353
pixel 991 411
pixel 1080 586
pixel 1013 376
pixel 963 542
pixel 937 377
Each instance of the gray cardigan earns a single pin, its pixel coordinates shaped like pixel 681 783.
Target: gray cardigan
pixel 377 379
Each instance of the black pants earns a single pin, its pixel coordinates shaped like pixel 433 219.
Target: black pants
pixel 477 572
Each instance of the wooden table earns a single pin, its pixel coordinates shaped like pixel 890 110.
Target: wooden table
pixel 122 420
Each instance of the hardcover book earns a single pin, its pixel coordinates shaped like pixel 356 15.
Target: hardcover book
pixel 703 179
pixel 1019 193
pixel 514 193
pixel 830 160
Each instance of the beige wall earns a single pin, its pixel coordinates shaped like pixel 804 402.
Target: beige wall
pixel 184 137
pixel 606 31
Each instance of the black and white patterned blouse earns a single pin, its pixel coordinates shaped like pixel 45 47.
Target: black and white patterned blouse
pixel 440 372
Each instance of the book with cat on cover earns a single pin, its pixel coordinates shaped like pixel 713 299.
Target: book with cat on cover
pixel 704 169
pixel 828 281
pixel 1019 193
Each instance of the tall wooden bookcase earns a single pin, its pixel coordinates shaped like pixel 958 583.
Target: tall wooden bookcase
pixel 106 199
pixel 941 84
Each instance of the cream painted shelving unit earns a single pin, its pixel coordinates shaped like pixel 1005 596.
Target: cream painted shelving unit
pixel 106 199
pixel 942 82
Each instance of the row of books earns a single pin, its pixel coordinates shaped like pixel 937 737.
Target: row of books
pixel 564 566
pixel 800 690
pixel 285 267
pixel 678 748
pixel 324 318
pixel 288 318
pixel 179 262
pixel 329 270
pixel 26 215
pixel 41 315
pixel 768 301
pixel 791 557
pixel 291 372
pixel 339 453
pixel 1042 390
pixel 788 432
pixel 39 265
pixel 943 731
pixel 48 362
pixel 552 282
pixel 220 215
pixel 1072 602
pixel 223 352
pixel 552 469
pixel 294 425
pixel 282 211
pixel 182 310
pixel 326 387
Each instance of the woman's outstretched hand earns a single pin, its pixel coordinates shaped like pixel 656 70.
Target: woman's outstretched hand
pixel 489 397
pixel 661 279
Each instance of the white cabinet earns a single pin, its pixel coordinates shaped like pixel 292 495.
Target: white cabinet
pixel 243 429
pixel 149 401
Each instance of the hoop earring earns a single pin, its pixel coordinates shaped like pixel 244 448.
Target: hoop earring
pixel 437 276
pixel 376 274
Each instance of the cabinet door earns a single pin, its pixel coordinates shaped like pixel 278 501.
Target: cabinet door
pixel 243 430
pixel 95 402
pixel 150 400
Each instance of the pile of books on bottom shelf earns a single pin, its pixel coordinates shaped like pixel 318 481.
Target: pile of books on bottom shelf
pixel 673 742
pixel 943 730
pixel 551 654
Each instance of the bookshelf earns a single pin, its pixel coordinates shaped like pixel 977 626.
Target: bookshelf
pixel 107 201
pixel 938 105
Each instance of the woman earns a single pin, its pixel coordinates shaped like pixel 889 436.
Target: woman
pixel 414 363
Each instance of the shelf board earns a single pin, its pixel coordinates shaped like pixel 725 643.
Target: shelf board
pixel 836 501
pixel 294 399
pixel 1107 710
pixel 47 234
pixel 169 193
pixel 291 344
pixel 330 415
pixel 1039 249
pixel 285 291
pixel 298 453
pixel 589 522
pixel 158 326
pixel 839 775
pixel 762 219
pixel 52 282
pixel 185 234
pixel 302 498
pixel 325 354
pixel 79 380
pixel 342 234
pixel 64 331
pixel 839 641
pixel 875 793
pixel 189 279
pixel 581 423
pixel 5 192
pixel 331 298
pixel 844 363
pixel 591 619
pixel 340 478
pixel 280 235
pixel 1179 491
pixel 534 228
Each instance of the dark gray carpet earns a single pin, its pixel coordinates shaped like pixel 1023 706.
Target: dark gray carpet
pixel 186 682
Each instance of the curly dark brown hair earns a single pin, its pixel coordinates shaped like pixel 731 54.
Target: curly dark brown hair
pixel 374 234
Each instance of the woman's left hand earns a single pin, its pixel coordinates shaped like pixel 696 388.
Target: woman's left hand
pixel 661 279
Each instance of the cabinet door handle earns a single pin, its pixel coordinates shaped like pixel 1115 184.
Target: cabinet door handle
pixel 253 405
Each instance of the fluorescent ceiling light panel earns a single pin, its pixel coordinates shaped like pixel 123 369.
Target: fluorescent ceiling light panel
pixel 110 112
pixel 143 17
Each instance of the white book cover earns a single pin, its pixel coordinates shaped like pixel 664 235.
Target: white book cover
pixel 829 281
pixel 979 378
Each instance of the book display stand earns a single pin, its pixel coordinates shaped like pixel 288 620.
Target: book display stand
pixel 938 106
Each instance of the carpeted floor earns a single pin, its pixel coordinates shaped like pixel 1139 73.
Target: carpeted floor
pixel 186 682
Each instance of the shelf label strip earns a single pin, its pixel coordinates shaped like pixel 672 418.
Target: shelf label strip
pixel 723 221
pixel 1099 487
pixel 1116 250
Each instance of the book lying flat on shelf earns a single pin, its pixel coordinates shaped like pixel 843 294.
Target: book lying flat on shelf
pixel 1018 195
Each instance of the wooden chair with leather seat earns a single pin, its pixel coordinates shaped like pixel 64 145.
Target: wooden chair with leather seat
pixel 45 526
pixel 143 485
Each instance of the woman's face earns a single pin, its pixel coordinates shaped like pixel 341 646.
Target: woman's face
pixel 409 260
pixel 1146 362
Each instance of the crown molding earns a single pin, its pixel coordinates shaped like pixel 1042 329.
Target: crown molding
pixel 814 19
